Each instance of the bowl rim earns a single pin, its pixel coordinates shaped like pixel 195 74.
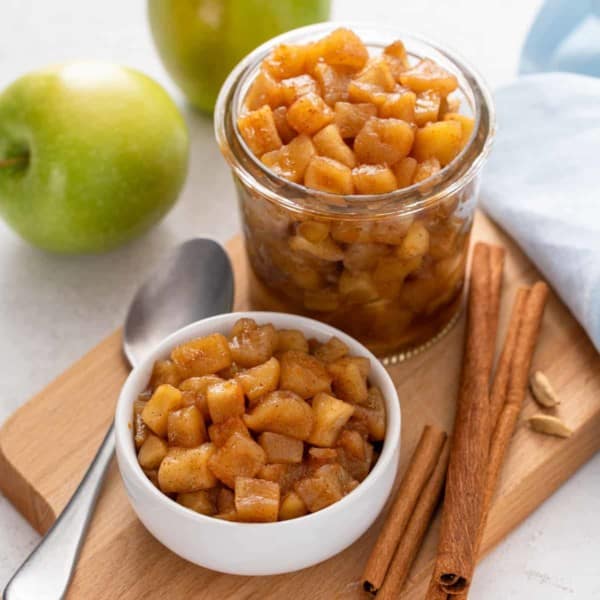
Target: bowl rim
pixel 137 380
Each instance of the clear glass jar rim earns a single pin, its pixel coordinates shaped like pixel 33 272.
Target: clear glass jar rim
pixel 451 179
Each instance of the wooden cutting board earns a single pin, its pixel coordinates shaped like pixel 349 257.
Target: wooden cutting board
pixel 46 446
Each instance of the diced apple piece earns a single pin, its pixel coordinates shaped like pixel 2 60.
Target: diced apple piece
pixel 286 133
pixel 256 500
pixel 202 356
pixel 319 492
pixel 404 170
pixel 373 179
pixel 219 433
pixel 357 287
pixel 350 232
pixel 292 339
pixel 225 501
pixel 363 256
pixel 328 175
pixel 253 347
pixel 152 452
pixel 226 505
pixel 156 412
pixel 328 142
pixel 395 55
pixel 303 374
pixel 264 90
pixel 383 141
pixel 467 124
pixel 194 392
pixel 202 501
pixel 428 75
pixel 333 83
pixel 240 456
pixel 281 448
pixel 283 474
pixel 291 161
pixel 427 108
pixel 314 231
pixel 326 249
pixel 426 169
pixel 296 87
pixel 390 268
pixel 259 380
pixel 186 428
pixel 330 415
pixel 292 507
pixel 355 453
pixel 349 383
pixel 399 105
pixel 281 412
pixel 377 73
pixel 335 471
pixel 140 430
pixel 416 242
pixel 321 300
pixel 317 457
pixel 186 469
pixel 332 349
pixel 391 230
pixel 259 131
pixel 350 118
pixel 285 61
pixel 441 140
pixel 225 399
pixel 164 371
pixel 308 114
pixel 343 48
pixel 373 414
pixel 360 92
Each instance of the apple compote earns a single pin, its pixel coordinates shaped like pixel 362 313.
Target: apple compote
pixel 262 425
pixel 357 169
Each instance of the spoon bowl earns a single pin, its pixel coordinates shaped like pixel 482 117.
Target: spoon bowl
pixel 192 282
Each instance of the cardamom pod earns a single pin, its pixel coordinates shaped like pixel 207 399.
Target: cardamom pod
pixel 549 425
pixel 542 390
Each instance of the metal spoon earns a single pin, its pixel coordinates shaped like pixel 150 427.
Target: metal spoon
pixel 192 282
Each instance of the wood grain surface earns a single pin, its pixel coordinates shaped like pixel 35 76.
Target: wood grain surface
pixel 46 446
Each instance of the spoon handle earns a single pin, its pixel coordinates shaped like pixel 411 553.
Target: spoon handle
pixel 47 571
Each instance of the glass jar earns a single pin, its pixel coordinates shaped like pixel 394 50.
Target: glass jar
pixel 347 260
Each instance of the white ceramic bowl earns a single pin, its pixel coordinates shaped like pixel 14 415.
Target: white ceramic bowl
pixel 256 548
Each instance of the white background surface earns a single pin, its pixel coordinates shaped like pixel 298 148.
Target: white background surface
pixel 53 309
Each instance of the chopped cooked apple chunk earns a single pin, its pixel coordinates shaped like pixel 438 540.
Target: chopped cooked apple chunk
pixel 202 356
pixel 259 131
pixel 186 427
pixel 156 412
pixel 303 374
pixel 260 380
pixel 383 141
pixel 281 448
pixel 330 415
pixel 240 456
pixel 328 175
pixel 256 500
pixel 186 469
pixel 282 412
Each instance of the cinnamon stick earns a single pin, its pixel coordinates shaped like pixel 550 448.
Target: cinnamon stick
pixel 465 483
pixel 527 318
pixel 500 386
pixel 415 530
pixel 419 471
pixel 496 272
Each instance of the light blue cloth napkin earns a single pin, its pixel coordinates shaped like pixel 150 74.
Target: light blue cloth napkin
pixel 542 183
pixel 565 36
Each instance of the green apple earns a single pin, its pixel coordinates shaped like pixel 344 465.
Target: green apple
pixel 91 155
pixel 200 41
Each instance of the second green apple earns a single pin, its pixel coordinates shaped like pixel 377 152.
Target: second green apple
pixel 200 41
